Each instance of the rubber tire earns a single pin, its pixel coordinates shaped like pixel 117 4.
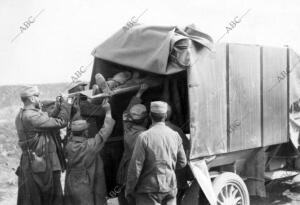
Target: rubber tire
pixel 229 177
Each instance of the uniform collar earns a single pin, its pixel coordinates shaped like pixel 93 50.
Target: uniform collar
pixel 158 124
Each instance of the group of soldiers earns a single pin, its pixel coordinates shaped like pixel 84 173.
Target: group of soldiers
pixel 146 173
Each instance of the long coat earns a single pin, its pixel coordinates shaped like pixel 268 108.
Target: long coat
pixel 33 125
pixel 157 153
pixel 81 153
pixel 95 114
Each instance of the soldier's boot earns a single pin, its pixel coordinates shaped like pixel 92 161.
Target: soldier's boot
pixel 102 84
pixel 95 89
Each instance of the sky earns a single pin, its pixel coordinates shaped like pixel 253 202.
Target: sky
pixel 63 35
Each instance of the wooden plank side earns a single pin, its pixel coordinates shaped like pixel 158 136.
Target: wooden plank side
pixel 294 96
pixel 294 77
pixel 207 97
pixel 274 95
pixel 218 98
pixel 244 128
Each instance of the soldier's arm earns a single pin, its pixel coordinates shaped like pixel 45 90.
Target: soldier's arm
pixel 135 165
pixel 97 143
pixel 41 120
pixel 134 100
pixel 137 98
pixel 181 157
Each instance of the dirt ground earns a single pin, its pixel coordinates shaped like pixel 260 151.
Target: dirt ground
pixel 279 193
pixel 284 192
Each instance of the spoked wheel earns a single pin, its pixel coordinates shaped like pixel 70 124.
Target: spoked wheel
pixel 230 190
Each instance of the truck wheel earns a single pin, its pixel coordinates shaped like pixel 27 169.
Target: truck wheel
pixel 230 190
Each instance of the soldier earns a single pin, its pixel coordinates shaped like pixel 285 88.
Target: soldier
pixel 94 115
pixel 40 168
pixel 133 123
pixel 151 176
pixel 81 153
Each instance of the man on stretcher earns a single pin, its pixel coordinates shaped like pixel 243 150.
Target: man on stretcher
pixel 120 80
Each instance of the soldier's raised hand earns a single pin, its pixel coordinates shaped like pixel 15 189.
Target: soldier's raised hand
pixel 144 87
pixel 106 105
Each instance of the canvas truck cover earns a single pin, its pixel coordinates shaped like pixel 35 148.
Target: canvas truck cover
pixel 148 48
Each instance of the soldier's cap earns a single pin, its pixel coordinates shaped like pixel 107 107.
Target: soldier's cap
pixel 159 107
pixel 29 91
pixel 77 83
pixel 79 125
pixel 138 111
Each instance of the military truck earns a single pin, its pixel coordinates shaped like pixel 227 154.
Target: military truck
pixel 231 100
